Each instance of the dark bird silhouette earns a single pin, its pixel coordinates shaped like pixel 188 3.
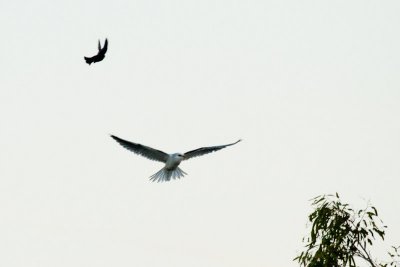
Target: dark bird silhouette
pixel 100 55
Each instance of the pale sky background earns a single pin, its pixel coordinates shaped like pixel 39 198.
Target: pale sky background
pixel 312 87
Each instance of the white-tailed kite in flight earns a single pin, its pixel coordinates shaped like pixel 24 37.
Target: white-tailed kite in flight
pixel 172 161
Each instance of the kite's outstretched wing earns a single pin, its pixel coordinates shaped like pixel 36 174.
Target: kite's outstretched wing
pixel 205 150
pixel 145 151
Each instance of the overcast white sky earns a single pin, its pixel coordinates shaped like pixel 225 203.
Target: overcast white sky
pixel 312 87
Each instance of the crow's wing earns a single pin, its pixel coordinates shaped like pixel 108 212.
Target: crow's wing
pixel 104 50
pixel 205 150
pixel 145 151
pixel 99 46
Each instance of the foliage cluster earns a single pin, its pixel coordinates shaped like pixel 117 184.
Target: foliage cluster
pixel 340 235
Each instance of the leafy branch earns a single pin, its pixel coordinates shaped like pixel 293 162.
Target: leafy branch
pixel 340 235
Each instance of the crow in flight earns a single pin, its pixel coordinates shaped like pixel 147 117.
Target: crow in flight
pixel 100 55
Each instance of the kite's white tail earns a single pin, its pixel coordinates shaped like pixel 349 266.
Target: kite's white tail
pixel 165 175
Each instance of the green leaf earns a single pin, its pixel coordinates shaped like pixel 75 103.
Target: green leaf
pixel 376 212
pixel 380 233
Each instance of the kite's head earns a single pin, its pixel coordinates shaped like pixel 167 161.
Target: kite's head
pixel 179 156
